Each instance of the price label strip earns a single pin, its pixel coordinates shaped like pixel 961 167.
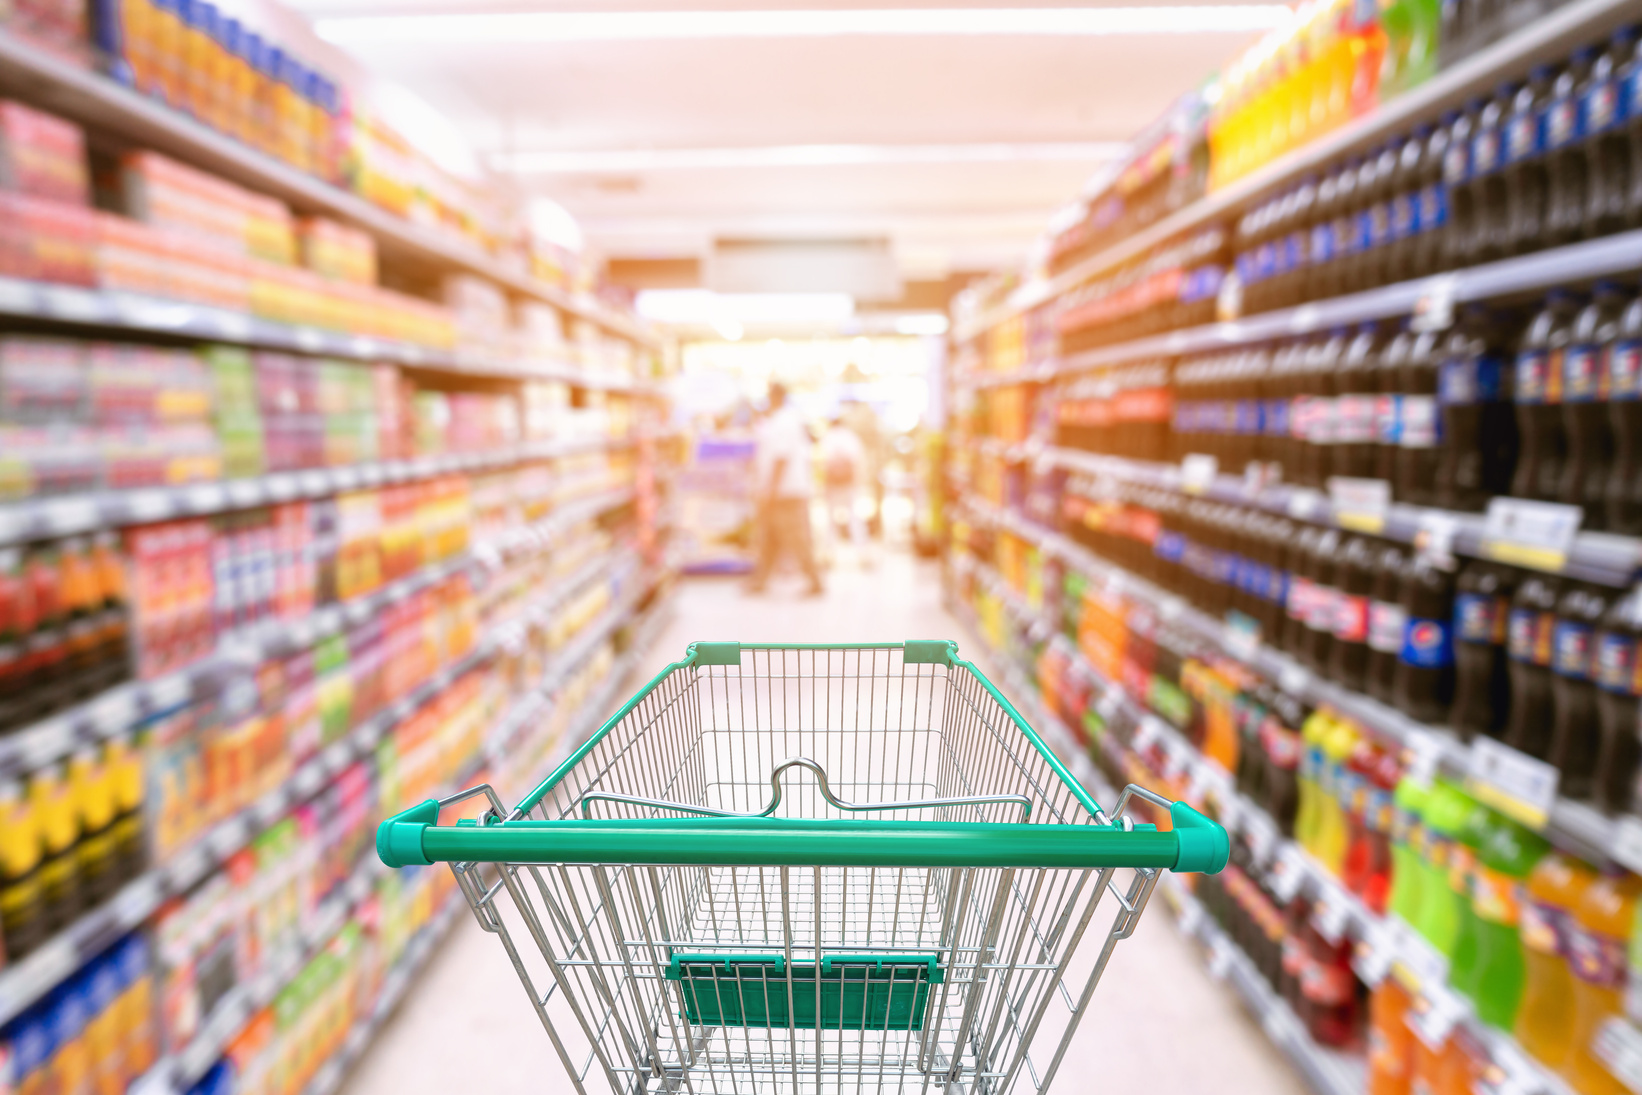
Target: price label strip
pixel 1517 785
pixel 1360 504
pixel 1538 535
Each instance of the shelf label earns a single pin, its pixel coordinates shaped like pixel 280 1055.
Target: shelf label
pixel 1434 1016
pixel 1294 679
pixel 1627 843
pixel 1530 534
pixel 1304 503
pixel 1287 875
pixel 1422 755
pixel 1618 1045
pixel 75 305
pixel 143 506
pixel 1197 472
pixel 69 515
pixel 16 296
pixel 1434 310
pixel 1360 504
pixel 1221 954
pixel 1416 964
pixel 1375 952
pixel 1513 783
pixel 206 497
pixel 1329 915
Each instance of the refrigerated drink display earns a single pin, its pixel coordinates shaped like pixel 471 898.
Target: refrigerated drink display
pixel 1545 1022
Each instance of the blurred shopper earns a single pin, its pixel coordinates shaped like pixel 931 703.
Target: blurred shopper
pixel 843 473
pixel 863 420
pixel 781 487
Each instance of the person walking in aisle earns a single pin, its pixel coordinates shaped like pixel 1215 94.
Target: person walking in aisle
pixel 781 485
pixel 843 471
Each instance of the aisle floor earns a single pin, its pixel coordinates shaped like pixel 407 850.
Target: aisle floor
pixel 1159 1023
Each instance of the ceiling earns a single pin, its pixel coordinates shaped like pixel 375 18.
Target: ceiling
pixel 908 111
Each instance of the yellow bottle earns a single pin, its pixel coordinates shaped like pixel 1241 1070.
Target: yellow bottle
pixel 1332 832
pixel 1312 734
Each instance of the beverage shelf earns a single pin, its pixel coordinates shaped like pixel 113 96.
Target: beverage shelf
pixel 1573 264
pixel 107 310
pixel 1549 38
pixel 95 101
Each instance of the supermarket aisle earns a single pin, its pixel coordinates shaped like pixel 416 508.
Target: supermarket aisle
pixel 466 1026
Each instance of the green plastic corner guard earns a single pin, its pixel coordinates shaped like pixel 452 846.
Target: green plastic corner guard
pixel 1195 844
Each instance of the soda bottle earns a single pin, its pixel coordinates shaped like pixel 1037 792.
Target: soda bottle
pixel 1485 182
pixel 1376 232
pixel 1318 643
pixel 1630 98
pixel 1354 585
pixel 1321 246
pixel 1619 683
pixel 1408 177
pixel 1332 278
pixel 1280 740
pixel 1301 589
pixel 1377 816
pixel 1354 406
pixel 1462 862
pixel 1482 683
pixel 1356 860
pixel 1538 394
pixel 1602 112
pixel 1432 229
pixel 1334 789
pixel 1454 244
pixel 1407 848
pixel 1507 856
pixel 1388 389
pixel 1528 637
pixel 1313 732
pixel 1545 1022
pixel 1447 809
pixel 1478 428
pixel 1386 620
pixel 1575 739
pixel 1424 685
pixel 1421 426
pixel 1390 1042
pixel 1584 418
pixel 1602 925
pixel 1622 363
pixel 1322 363
pixel 1567 172
pixel 1526 179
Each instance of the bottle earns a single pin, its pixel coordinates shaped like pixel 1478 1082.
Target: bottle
pixel 1431 242
pixel 1354 406
pixel 1602 925
pixel 1575 738
pixel 1464 959
pixel 1485 182
pixel 1408 178
pixel 1478 423
pixel 22 912
pixel 1313 732
pixel 60 888
pixel 1388 404
pixel 1602 113
pixel 1622 364
pixel 1407 848
pixel 1421 433
pixel 1318 643
pixel 1503 863
pixel 1585 419
pixel 1386 620
pixel 1390 1042
pixel 1460 194
pixel 1354 585
pixel 1438 918
pixel 1482 683
pixel 1528 637
pixel 1330 838
pixel 1619 684
pixel 1567 171
pixel 1526 177
pixel 1301 589
pixel 1545 1023
pixel 1424 684
pixel 1538 394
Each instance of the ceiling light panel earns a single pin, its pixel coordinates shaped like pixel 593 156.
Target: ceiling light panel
pixel 613 161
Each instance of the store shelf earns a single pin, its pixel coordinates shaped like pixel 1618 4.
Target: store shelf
pixel 1549 38
pixel 84 96
pixel 1602 557
pixel 1575 264
pixel 73 514
pixel 104 310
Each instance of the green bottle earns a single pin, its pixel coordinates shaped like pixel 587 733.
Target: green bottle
pixel 1407 837
pixel 1507 856
pixel 1446 811
pixel 1462 859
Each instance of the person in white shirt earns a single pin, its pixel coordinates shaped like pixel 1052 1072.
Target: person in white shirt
pixel 781 488
pixel 843 472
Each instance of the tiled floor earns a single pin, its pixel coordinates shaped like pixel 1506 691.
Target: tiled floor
pixel 1159 1024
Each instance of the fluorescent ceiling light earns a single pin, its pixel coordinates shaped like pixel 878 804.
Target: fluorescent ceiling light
pixel 622 161
pixel 626 26
pixel 921 323
pixel 725 312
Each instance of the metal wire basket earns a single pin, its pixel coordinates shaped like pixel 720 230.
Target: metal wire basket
pixel 688 910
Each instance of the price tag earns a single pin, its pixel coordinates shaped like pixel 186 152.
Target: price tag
pixel 1422 755
pixel 169 692
pixel 281 487
pixel 233 327
pixel 1618 1045
pixel 1221 955
pixel 1303 504
pixel 229 837
pixel 1435 1015
pixel 134 903
pixel 1434 310
pixel 1294 680
pixel 309 340
pixel 1197 472
pixel 1530 534
pixel 206 497
pixel 188 867
pixel 1304 319
pixel 1279 1025
pixel 315 483
pixel 75 305
pixel 114 712
pixel 69 515
pixel 1416 964
pixel 1329 916
pixel 244 493
pixel 1627 843
pixel 143 506
pixel 1513 783
pixel 1287 874
pixel 1360 504
pixel 16 297
pixel 1375 952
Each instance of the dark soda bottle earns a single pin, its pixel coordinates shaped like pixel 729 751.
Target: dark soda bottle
pixel 1622 361
pixel 1354 587
pixel 1407 178
pixel 1300 586
pixel 1567 171
pixel 1321 250
pixel 1433 200
pixel 1459 188
pixel 1322 366
pixel 1575 738
pixel 1319 637
pixel 1482 684
pixel 1354 406
pixel 1584 418
pixel 1528 637
pixel 1386 617
pixel 1602 113
pixel 1332 278
pixel 1421 426
pixel 1479 428
pixel 1619 686
pixel 1388 403
pixel 1524 169
pixel 1630 98
pixel 1538 396
pixel 1375 232
pixel 1424 685
pixel 1485 181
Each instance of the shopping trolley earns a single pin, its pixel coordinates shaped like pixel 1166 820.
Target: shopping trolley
pixel 789 869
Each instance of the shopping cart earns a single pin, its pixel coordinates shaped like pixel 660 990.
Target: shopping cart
pixel 795 869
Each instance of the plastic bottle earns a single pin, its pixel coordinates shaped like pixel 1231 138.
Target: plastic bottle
pixel 1567 171
pixel 1421 435
pixel 1407 848
pixel 1458 188
pixel 1329 843
pixel 1424 684
pixel 1388 403
pixel 1354 584
pixel 1401 252
pixel 1508 855
pixel 1528 635
pixel 1431 241
pixel 1538 396
pixel 1390 1042
pixel 1386 621
pixel 1482 683
pixel 1313 732
pixel 1354 405
pixel 1545 1023
pixel 1485 181
pixel 1584 418
pixel 1478 424
pixel 1602 114
pixel 1318 644
pixel 1446 810
pixel 1464 958
pixel 1602 925
pixel 1526 177
pixel 1619 684
pixel 1575 738
pixel 1622 363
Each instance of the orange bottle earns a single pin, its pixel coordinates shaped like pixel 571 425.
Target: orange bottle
pixel 1601 932
pixel 1545 1022
pixel 1390 1042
